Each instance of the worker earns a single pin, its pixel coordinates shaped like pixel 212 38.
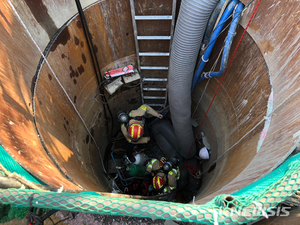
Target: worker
pixel 165 174
pixel 133 127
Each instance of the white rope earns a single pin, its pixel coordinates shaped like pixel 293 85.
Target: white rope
pixel 216 217
pixel 60 190
pixel 9 1
pixel 211 69
pixel 261 209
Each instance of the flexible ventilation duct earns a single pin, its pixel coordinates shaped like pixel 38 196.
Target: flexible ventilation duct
pixel 190 27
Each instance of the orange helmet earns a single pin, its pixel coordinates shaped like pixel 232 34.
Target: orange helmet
pixel 135 131
pixel 158 182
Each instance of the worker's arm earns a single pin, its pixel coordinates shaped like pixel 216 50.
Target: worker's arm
pixel 143 140
pixel 178 173
pixel 172 177
pixel 172 183
pixel 151 111
pixel 151 164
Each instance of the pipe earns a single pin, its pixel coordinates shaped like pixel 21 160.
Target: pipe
pixel 228 42
pixel 191 24
pixel 97 69
pixel 213 40
pixel 165 138
pixel 213 20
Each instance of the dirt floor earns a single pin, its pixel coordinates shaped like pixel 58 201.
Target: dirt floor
pixel 68 218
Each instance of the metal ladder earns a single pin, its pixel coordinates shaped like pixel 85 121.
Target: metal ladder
pixel 153 88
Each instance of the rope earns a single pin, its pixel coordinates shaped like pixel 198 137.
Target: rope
pixel 223 78
pixel 261 209
pixel 21 179
pixel 211 69
pixel 216 214
pixel 194 172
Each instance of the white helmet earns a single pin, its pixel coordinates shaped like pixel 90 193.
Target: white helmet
pixel 203 153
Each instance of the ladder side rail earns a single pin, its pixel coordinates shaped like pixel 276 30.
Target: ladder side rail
pixel 135 34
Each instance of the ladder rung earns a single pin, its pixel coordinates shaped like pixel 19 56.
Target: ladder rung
pixel 157 105
pixel 154 89
pixel 154 68
pixel 158 17
pixel 154 54
pixel 154 97
pixel 156 79
pixel 153 37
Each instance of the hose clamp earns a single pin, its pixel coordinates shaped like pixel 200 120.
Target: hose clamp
pixel 207 75
pixel 203 59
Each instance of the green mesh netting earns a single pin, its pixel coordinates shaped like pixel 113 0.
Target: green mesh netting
pixel 11 165
pixel 244 206
pixel 223 209
pixel 268 179
pixel 10 212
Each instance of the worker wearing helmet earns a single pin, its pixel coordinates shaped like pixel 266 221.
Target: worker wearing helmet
pixel 165 174
pixel 134 129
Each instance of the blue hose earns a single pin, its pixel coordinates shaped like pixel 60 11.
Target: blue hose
pixel 213 40
pixel 212 20
pixel 122 179
pixel 227 47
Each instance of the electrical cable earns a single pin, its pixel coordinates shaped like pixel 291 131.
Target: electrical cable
pixel 245 8
pixel 128 86
pixel 231 15
pixel 96 69
pixel 96 95
pixel 43 218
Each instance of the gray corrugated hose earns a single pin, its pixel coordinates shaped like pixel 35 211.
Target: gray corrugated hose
pixel 190 27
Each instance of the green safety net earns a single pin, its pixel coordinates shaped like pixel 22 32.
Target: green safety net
pixel 223 209
pixel 10 212
pixel 12 166
pixel 268 179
